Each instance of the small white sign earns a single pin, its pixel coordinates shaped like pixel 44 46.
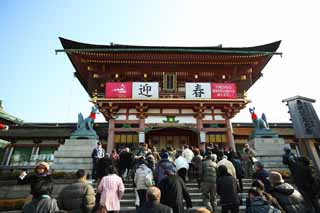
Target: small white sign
pixel 202 136
pixel 198 91
pixel 141 137
pixel 145 90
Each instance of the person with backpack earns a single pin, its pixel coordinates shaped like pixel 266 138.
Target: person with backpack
pixel 78 197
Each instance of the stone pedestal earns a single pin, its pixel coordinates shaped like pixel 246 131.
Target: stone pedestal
pixel 73 155
pixel 269 151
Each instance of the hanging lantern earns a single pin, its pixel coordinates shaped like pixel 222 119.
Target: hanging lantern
pixel 4 127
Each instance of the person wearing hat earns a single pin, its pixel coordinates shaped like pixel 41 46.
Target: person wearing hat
pixel 288 197
pixel 40 177
pixel 163 165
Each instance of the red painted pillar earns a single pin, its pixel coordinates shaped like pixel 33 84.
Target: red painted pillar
pixel 230 137
pixel 202 146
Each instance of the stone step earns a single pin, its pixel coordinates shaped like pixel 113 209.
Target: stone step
pixel 68 154
pixel 61 160
pixel 192 210
pixel 195 202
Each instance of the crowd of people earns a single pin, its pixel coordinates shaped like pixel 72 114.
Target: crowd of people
pixel 159 180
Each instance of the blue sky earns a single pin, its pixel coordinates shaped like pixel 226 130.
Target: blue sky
pixel 38 86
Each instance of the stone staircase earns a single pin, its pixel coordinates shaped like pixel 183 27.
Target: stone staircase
pixel 128 200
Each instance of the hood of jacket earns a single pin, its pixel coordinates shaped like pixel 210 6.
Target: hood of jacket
pixel 284 188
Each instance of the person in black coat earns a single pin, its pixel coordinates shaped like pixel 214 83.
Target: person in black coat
pixel 40 177
pixel 173 191
pixel 153 204
pixel 262 175
pixel 125 162
pixel 227 188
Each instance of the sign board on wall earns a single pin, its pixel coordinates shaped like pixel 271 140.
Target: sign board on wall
pixel 141 137
pixel 202 136
pixel 145 90
pixel 223 91
pixel 198 91
pixel 118 90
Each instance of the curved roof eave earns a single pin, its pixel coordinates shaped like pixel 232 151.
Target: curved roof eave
pixel 266 48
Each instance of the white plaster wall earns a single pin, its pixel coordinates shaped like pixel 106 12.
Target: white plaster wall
pixel 217 111
pixel 218 118
pixel 155 119
pixel 207 111
pixel 186 119
pixel 154 111
pixel 187 111
pixel 132 117
pixel 170 111
pixel 133 111
pixel 122 111
pixel 207 118
pixel 121 117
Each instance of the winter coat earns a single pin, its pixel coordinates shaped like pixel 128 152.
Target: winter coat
pixel 260 205
pixel 151 162
pixel 263 175
pixel 181 162
pixel 125 160
pixel 154 207
pixel 187 154
pixel 230 167
pixel 209 171
pixel 162 166
pixel 112 189
pixel 291 160
pixel 227 188
pixel 36 181
pixel 197 161
pixel 289 199
pixel 77 198
pixel 102 167
pixel 140 177
pixel 43 204
pixel 173 191
pixel 238 167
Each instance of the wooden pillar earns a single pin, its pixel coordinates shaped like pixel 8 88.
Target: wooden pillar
pixel 202 146
pixel 230 137
pixel 141 126
pixel 111 135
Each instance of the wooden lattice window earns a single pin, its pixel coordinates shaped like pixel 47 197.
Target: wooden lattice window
pixel 170 82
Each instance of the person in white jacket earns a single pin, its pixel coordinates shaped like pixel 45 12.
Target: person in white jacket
pixel 143 178
pixel 229 165
pixel 187 153
pixel 182 166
